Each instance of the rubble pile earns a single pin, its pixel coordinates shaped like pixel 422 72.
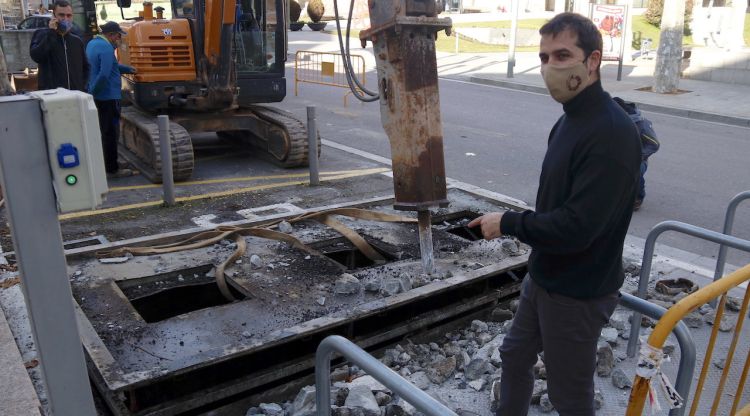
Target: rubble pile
pixel 468 360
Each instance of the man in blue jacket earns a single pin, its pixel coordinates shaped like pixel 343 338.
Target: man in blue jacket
pixel 105 86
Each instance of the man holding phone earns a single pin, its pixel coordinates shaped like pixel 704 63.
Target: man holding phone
pixel 59 52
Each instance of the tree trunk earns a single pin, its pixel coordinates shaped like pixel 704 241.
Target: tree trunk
pixel 737 27
pixel 669 55
pixel 5 88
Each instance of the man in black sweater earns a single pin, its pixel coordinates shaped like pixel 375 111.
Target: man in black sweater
pixel 583 208
pixel 59 52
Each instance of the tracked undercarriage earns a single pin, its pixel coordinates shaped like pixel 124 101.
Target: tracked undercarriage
pixel 274 132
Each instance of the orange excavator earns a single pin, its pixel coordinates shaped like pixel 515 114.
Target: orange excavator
pixel 208 68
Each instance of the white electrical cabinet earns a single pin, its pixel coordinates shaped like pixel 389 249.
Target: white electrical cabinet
pixel 74 144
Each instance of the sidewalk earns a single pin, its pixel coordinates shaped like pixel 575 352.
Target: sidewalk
pixel 702 100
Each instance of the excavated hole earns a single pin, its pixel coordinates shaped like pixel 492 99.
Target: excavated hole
pixel 455 224
pixel 342 251
pixel 167 295
pixel 86 242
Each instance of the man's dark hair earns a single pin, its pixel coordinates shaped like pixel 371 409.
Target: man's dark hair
pixel 589 38
pixel 60 3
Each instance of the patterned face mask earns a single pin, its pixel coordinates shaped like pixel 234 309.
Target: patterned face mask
pixel 564 83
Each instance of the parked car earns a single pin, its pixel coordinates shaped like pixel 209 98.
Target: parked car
pixel 41 21
pixel 35 21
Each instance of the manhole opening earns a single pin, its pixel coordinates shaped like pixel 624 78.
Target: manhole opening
pixel 10 256
pixel 342 251
pixel 164 296
pixel 85 242
pixel 456 224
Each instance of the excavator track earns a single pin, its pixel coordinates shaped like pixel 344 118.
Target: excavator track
pixel 139 145
pixel 296 132
pixel 283 137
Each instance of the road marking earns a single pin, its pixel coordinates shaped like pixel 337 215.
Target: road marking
pixel 355 173
pixel 228 180
pixel 357 152
pixel 204 221
pixel 260 212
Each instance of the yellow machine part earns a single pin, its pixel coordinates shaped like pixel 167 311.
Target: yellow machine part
pixel 161 50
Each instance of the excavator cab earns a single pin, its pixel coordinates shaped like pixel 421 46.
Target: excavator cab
pixel 260 51
pixel 211 55
pixel 207 66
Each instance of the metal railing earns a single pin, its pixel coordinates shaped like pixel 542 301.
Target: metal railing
pixel 684 340
pixel 326 68
pixel 674 316
pixel 648 252
pixel 398 385
pixel 721 259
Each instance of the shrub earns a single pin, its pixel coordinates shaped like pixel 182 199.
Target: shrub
pixel 656 7
pixel 294 10
pixel 315 10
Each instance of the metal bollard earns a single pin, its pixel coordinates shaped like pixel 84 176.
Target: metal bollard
pixel 166 160
pixel 312 146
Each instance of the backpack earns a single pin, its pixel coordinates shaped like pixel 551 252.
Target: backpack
pixel 649 142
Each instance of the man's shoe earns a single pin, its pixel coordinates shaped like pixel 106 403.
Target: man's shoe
pixel 637 204
pixel 120 173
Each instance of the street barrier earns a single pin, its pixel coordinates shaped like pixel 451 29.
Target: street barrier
pixel 422 401
pixel 326 68
pixel 684 340
pixel 651 354
pixel 648 252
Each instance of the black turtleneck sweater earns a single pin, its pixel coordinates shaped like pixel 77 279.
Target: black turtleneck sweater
pixel 585 199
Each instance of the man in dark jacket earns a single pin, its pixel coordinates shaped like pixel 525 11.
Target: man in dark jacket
pixel 59 52
pixel 583 209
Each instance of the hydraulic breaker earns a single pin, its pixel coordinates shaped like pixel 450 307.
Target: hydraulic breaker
pixel 403 35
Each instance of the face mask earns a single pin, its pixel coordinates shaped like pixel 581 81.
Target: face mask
pixel 64 26
pixel 565 83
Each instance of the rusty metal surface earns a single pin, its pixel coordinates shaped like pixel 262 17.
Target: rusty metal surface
pixel 410 113
pixel 128 353
pixel 403 36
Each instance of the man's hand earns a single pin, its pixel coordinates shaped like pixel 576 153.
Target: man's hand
pixel 490 224
pixel 52 23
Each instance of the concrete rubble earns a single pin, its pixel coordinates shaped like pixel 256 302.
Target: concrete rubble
pixel 462 360
pixel 467 361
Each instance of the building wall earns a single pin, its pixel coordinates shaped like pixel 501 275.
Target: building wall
pixel 15 45
pixel 10 11
pixel 712 64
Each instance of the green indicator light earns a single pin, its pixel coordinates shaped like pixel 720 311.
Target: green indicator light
pixel 71 180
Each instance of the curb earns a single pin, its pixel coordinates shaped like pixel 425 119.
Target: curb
pixel 680 112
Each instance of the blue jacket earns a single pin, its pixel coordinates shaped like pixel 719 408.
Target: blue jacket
pixel 104 81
